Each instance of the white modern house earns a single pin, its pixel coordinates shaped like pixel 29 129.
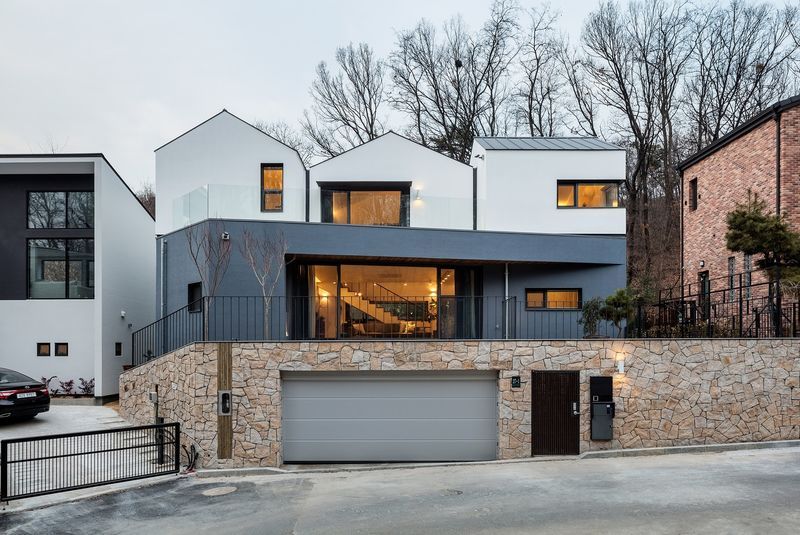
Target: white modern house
pixel 78 269
pixel 380 237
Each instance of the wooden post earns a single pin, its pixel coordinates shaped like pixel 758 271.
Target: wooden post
pixel 224 382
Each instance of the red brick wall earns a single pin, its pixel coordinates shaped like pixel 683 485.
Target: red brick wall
pixel 723 179
pixel 790 166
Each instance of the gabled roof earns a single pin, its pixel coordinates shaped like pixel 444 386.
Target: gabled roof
pixel 226 112
pixel 84 155
pixel 771 112
pixel 544 143
pixel 392 132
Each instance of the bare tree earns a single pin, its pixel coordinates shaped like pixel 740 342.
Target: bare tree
pixel 742 62
pixel 289 136
pixel 147 196
pixel 540 98
pixel 582 106
pixel 456 85
pixel 210 250
pixel 265 255
pixel 347 105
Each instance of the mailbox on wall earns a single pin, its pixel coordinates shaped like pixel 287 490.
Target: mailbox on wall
pixel 601 391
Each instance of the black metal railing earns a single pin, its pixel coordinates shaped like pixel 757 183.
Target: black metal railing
pixel 34 466
pixel 255 318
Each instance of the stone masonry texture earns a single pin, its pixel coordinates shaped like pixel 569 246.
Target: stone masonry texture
pixel 723 179
pixel 673 392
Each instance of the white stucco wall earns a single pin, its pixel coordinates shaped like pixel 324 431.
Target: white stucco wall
pixel 224 153
pixel 445 185
pixel 125 275
pixel 517 190
pixel 24 323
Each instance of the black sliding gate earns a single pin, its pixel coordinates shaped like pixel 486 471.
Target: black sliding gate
pixel 33 466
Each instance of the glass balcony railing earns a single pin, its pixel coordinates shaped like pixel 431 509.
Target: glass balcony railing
pixel 243 202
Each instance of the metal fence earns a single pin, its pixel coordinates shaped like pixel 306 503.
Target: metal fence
pixel 34 466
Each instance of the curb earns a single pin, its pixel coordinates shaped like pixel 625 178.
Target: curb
pixel 700 448
pixel 604 454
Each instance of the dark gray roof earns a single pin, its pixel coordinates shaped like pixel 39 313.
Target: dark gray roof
pixel 544 143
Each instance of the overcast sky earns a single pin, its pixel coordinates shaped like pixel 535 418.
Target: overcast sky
pixel 123 78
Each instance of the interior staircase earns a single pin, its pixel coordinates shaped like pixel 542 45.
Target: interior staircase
pixel 362 302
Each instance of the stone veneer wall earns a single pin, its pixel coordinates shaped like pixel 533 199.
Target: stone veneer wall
pixel 673 392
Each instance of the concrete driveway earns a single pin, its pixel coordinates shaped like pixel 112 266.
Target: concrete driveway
pixel 756 491
pixel 63 419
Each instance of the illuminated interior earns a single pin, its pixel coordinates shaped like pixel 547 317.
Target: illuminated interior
pixel 588 195
pixel 365 207
pixel 381 301
pixel 272 187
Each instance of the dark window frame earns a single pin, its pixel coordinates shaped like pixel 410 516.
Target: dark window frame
pixel 272 191
pixel 59 346
pixel 329 188
pixel 40 346
pixel 66 260
pixel 594 182
pixel 544 291
pixel 66 208
pixel 693 195
pixel 194 305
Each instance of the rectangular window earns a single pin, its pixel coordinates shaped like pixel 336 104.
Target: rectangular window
pixel 60 209
pixel 271 187
pixel 561 298
pixel 731 277
pixel 587 194
pixel 117 349
pixel 62 349
pixel 693 194
pixel 748 274
pixel 60 268
pixel 388 208
pixel 43 349
pixel 195 296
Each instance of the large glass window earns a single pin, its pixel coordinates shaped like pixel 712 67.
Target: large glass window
pixel 271 187
pixel 61 268
pixel 366 207
pixel 60 209
pixel 553 298
pixel 588 194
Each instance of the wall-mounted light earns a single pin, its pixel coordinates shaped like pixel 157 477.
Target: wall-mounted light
pixel 621 366
pixel 417 195
pixel 480 156
pixel 122 314
pixel 702 263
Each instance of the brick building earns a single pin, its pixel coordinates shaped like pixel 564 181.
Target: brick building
pixel 762 155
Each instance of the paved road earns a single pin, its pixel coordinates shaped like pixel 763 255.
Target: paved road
pixel 63 419
pixel 734 492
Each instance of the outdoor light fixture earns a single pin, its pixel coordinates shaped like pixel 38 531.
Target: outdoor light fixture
pixel 418 195
pixel 621 365
pixel 122 314
pixel 702 263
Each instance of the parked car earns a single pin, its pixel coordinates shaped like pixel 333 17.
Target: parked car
pixel 21 396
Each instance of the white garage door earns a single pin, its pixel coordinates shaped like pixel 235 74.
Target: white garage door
pixel 389 416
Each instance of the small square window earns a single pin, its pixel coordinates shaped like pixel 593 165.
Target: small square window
pixel 195 296
pixel 118 349
pixel 62 349
pixel 43 349
pixel 534 299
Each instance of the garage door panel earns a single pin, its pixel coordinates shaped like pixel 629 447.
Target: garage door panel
pixel 390 408
pixel 395 429
pixel 382 388
pixel 389 416
pixel 393 450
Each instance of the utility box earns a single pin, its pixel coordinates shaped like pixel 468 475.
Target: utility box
pixel 603 408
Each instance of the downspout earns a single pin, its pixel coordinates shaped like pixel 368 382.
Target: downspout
pixel 778 297
pixel 308 189
pixel 505 303
pixel 162 271
pixel 474 198
pixel 680 222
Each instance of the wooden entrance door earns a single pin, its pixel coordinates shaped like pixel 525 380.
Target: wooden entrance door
pixel 555 413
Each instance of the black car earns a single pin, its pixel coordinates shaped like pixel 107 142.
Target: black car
pixel 21 396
